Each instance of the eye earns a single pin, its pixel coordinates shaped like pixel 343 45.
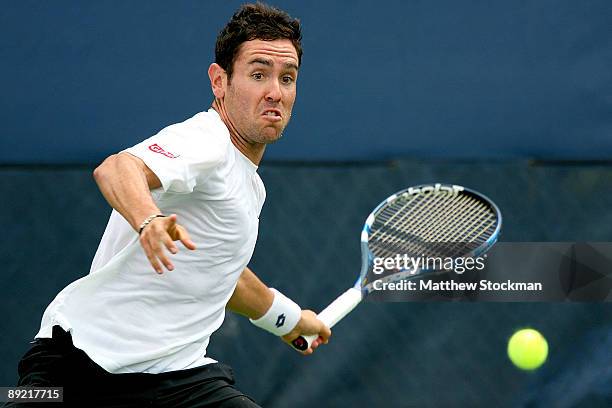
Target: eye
pixel 288 79
pixel 257 76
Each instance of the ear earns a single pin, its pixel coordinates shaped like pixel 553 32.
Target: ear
pixel 218 80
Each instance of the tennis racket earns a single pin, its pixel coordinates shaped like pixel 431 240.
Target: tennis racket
pixel 433 221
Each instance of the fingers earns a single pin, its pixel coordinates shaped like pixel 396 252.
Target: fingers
pixel 185 239
pixel 159 234
pixel 317 327
pixel 307 352
pixel 159 252
pixel 313 346
pixel 151 256
pixel 170 244
pixel 155 252
pixel 324 333
pixel 309 324
pixel 179 233
pixel 318 341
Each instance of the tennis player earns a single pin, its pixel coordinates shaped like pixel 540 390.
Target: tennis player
pixel 174 255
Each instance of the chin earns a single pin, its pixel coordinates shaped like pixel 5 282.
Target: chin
pixel 268 136
pixel 270 140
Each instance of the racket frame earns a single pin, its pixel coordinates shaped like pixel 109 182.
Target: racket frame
pixel 346 302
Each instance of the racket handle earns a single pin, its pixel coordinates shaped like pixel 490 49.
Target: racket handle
pixel 331 315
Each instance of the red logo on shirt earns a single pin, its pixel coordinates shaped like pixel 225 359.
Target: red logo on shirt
pixel 155 148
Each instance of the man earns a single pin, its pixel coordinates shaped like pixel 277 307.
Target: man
pixel 127 336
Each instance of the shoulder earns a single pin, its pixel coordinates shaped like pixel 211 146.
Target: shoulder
pixel 203 137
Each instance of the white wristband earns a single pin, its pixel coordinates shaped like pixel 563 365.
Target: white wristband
pixel 281 317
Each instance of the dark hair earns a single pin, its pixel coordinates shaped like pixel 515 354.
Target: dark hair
pixel 255 22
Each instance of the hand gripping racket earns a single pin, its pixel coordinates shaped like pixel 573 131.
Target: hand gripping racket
pixel 436 221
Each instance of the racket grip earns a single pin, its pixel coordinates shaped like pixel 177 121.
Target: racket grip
pixel 331 315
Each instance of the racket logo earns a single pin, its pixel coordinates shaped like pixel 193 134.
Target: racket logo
pixel 435 189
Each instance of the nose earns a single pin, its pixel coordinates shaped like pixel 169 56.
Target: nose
pixel 274 93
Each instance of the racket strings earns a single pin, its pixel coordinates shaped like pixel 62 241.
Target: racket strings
pixel 431 225
pixel 414 232
pixel 427 221
pixel 393 229
pixel 471 231
pixel 465 226
pixel 388 213
pixel 435 219
pixel 403 211
pixel 427 249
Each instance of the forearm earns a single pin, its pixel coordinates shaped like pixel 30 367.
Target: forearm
pixel 126 187
pixel 251 298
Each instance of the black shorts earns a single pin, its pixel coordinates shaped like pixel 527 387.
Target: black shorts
pixel 57 363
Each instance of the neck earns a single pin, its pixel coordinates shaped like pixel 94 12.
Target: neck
pixel 253 151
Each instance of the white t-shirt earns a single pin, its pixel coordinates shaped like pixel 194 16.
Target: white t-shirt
pixel 126 317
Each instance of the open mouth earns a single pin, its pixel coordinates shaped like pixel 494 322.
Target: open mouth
pixel 272 113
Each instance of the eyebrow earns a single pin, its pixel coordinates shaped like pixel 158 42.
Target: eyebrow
pixel 267 62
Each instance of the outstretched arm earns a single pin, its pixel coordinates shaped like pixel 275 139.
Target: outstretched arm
pixel 126 181
pixel 252 298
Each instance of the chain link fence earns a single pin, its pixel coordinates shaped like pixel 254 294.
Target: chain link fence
pixel 383 354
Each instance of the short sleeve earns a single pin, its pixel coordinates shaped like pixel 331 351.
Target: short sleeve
pixel 183 153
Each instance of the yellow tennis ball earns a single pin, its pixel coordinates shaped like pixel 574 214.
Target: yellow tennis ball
pixel 527 349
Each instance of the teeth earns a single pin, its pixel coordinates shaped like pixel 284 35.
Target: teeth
pixel 270 113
